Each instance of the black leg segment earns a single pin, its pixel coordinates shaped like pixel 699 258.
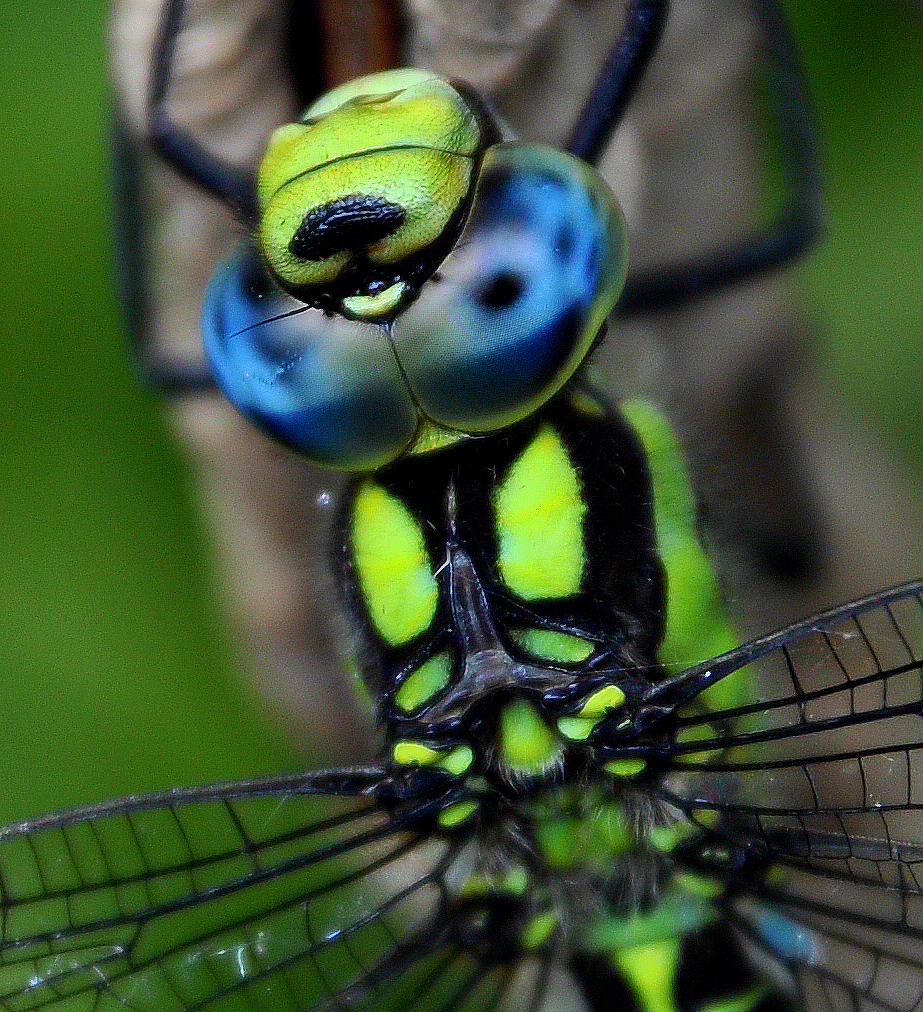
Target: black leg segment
pixel 616 83
pixel 232 186
pixel 770 246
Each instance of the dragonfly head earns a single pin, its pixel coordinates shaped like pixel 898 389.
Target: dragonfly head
pixel 436 280
pixel 366 194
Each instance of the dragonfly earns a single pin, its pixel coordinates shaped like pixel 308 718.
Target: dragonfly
pixel 564 814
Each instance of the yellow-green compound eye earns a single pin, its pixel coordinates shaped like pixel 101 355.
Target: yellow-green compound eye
pixel 519 302
pixel 380 169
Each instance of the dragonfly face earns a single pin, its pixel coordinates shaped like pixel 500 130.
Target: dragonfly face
pixel 368 191
pixel 564 812
pixel 449 285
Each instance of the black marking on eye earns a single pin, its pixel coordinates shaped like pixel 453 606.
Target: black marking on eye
pixel 347 223
pixel 501 291
pixel 565 242
pixel 256 282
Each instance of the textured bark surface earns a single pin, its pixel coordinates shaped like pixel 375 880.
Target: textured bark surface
pixel 772 463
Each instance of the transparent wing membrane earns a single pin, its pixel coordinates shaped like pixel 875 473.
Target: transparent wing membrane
pixel 834 739
pixel 340 891
pixel 293 893
pixel 837 918
pixel 811 814
pixel 845 961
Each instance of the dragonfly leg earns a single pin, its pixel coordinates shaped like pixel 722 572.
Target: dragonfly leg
pixel 233 186
pixel 774 244
pixel 616 82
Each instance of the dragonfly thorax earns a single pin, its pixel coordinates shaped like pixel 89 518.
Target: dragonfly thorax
pixel 496 633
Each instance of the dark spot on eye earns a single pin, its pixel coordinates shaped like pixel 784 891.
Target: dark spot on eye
pixel 255 280
pixel 501 290
pixel 564 242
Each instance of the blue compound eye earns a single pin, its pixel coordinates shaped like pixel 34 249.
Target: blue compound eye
pixel 511 313
pixel 517 305
pixel 327 387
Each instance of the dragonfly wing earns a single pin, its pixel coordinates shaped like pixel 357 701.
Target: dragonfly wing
pixel 808 803
pixel 299 892
pixel 843 931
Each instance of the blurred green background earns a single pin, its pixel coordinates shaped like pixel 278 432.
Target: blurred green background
pixel 115 672
pixel 863 287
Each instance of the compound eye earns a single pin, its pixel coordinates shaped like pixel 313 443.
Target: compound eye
pixel 326 387
pixel 517 305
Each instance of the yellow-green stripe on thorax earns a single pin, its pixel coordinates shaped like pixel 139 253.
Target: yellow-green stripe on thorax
pixel 698 626
pixel 392 564
pixel 539 511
